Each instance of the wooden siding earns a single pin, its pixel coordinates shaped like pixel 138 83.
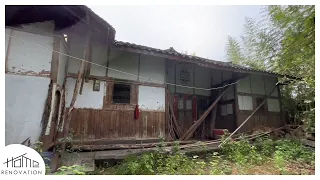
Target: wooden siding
pixel 89 124
pixel 270 119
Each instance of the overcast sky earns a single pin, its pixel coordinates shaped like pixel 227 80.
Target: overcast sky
pixel 200 29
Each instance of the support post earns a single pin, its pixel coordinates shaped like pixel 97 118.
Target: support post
pixel 77 85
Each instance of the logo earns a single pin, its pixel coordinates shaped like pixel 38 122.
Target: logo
pixel 18 159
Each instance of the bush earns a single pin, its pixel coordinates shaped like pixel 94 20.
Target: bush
pixel 294 151
pixel 241 152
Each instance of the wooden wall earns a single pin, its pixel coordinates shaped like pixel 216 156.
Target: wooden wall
pixel 116 124
pixel 265 120
pixel 251 91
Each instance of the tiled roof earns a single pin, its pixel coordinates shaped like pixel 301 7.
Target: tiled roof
pixel 171 51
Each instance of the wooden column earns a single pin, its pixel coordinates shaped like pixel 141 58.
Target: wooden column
pixel 78 83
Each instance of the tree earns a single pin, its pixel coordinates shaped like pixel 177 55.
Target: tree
pixel 283 42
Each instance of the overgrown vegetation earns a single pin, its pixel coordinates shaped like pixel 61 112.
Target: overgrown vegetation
pixel 239 157
pixel 282 41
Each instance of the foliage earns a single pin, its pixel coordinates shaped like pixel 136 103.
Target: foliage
pixel 294 151
pixel 284 42
pixel 70 170
pixel 235 158
pixel 241 152
pixel 170 163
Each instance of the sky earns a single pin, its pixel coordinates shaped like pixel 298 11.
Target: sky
pixel 200 29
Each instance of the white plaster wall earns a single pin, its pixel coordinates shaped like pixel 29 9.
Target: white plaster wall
pixel 123 61
pixel 99 56
pixel 27 58
pixel 270 82
pixel 153 68
pixel 273 105
pixel 189 68
pixel 257 84
pixel 151 98
pixel 40 27
pixel 76 49
pixel 202 80
pixel 62 64
pixel 88 98
pixel 244 85
pixel 24 106
pixel 245 102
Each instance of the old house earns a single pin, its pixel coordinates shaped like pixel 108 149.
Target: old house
pixel 125 92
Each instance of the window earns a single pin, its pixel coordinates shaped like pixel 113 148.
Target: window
pixel 263 107
pixel 121 93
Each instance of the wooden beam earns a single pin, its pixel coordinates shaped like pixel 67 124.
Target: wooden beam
pixel 55 60
pixel 87 56
pixel 8 52
pixel 125 146
pixel 75 92
pixel 191 130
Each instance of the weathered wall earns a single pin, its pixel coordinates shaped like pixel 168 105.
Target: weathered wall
pixel 202 80
pixel 24 58
pixel 244 86
pixel 245 102
pixel 216 77
pixel 27 80
pixel 123 61
pixel 153 68
pixel 151 98
pixel 257 85
pixel 184 76
pixel 249 91
pixel 40 27
pixel 24 104
pixel 88 98
pixel 99 56
pixel 115 124
pixel 7 32
pixel 273 105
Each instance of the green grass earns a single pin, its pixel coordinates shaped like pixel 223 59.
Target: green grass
pixel 266 156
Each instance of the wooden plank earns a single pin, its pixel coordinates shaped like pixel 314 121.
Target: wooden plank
pixel 110 121
pixel 132 125
pixel 144 118
pixel 137 127
pixel 125 146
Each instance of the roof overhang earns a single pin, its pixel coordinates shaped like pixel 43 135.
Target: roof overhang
pixel 64 16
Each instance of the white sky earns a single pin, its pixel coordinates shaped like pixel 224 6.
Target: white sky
pixel 200 29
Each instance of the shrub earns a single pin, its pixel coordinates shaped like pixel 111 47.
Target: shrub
pixel 241 152
pixel 294 151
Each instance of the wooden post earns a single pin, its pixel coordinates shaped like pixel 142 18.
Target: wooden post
pixel 77 86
